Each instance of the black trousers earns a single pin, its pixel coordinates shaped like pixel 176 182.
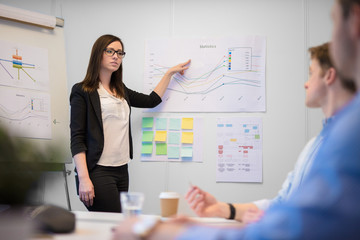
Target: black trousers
pixel 108 183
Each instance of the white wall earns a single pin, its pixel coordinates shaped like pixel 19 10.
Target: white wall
pixel 291 26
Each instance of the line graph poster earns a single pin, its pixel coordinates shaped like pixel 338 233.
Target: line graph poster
pixel 25 113
pixel 24 66
pixel 239 150
pixel 225 74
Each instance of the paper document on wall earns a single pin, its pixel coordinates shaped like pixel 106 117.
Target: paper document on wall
pixel 239 150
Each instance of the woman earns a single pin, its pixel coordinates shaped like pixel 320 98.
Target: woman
pixel 101 142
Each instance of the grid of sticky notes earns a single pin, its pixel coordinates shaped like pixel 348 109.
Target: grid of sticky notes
pixel 173 137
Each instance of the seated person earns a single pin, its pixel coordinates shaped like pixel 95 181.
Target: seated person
pixel 324 90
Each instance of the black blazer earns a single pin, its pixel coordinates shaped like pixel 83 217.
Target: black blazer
pixel 86 124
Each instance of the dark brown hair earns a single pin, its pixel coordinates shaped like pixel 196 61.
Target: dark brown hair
pixel 346 6
pixel 91 80
pixel 322 54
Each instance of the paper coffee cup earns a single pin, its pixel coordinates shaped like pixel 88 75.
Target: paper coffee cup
pixel 169 202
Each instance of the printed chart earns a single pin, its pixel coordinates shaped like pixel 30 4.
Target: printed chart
pixel 225 74
pixel 25 113
pixel 239 150
pixel 23 66
pixel 171 139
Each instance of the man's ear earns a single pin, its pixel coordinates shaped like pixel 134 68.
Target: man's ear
pixel 330 76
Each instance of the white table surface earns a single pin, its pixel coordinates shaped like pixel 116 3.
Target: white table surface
pixel 98 225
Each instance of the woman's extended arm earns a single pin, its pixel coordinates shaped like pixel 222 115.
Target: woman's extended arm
pixel 164 82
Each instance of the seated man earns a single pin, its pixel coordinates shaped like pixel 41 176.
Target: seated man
pixel 324 90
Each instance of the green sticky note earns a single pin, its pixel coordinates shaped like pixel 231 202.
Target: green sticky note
pixel 174 138
pixel 175 124
pixel 257 136
pixel 147 122
pixel 161 123
pixel 146 148
pixel 161 149
pixel 187 152
pixel 147 136
pixel 173 152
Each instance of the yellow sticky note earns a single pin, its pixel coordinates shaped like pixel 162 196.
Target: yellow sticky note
pixel 160 136
pixel 187 123
pixel 187 137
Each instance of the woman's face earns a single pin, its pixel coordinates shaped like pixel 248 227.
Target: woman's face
pixel 111 60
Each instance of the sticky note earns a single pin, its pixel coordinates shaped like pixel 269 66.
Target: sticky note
pixel 257 136
pixel 160 136
pixel 187 137
pixel 187 123
pixel 187 152
pixel 173 152
pixel 161 123
pixel 146 148
pixel 147 136
pixel 161 149
pixel 174 138
pixel 175 124
pixel 147 122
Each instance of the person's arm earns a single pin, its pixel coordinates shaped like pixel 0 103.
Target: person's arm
pixel 86 188
pixel 78 143
pixel 164 82
pixel 205 205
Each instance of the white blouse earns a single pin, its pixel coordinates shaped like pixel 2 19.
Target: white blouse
pixel 115 116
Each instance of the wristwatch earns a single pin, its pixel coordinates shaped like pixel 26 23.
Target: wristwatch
pixel 144 227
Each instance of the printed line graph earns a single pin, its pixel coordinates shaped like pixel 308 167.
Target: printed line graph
pixel 25 113
pixel 220 79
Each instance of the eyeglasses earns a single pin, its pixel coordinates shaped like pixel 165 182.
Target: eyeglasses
pixel 110 52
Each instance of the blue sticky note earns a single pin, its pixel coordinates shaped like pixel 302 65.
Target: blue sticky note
pixel 173 152
pixel 175 124
pixel 187 152
pixel 161 123
pixel 174 138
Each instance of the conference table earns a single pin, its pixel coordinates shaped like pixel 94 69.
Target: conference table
pixel 98 225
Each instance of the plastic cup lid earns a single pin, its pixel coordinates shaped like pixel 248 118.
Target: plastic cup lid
pixel 169 195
